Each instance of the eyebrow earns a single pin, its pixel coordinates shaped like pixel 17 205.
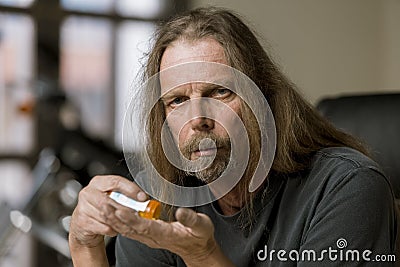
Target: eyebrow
pixel 207 89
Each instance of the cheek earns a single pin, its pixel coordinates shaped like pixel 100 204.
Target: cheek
pixel 236 106
pixel 178 131
pixel 230 117
pixel 220 129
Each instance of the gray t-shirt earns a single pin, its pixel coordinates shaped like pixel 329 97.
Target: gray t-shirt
pixel 339 212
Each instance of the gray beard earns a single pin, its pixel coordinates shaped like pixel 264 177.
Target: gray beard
pixel 213 172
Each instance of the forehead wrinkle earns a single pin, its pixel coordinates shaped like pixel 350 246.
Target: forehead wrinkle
pixel 202 87
pixel 215 58
pixel 184 51
pixel 179 90
pixel 172 80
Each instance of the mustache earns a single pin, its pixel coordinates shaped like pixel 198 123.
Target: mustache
pixel 193 143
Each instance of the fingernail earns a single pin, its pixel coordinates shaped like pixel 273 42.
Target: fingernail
pixel 183 214
pixel 141 196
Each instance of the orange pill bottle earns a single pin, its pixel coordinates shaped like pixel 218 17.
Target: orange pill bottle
pixel 150 209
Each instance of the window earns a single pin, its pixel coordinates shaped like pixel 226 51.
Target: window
pixel 88 51
pixel 96 47
pixel 86 70
pixel 132 43
pixel 16 3
pixel 142 9
pixel 17 34
pixel 96 6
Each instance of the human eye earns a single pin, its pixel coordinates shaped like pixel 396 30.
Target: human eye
pixel 176 101
pixel 221 92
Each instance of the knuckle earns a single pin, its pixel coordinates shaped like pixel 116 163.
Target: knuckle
pixel 81 203
pixel 107 230
pixel 82 193
pixel 115 181
pixel 104 201
pixel 144 230
pixel 128 232
pixel 95 179
pixel 103 215
pixel 105 209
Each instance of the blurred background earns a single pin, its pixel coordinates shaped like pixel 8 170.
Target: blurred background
pixel 67 68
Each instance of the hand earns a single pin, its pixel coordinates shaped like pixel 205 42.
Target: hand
pixel 94 216
pixel 191 236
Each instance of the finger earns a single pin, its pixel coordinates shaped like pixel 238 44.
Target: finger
pixel 133 220
pixel 106 183
pixel 199 223
pixel 97 199
pixel 143 230
pixel 142 226
pixel 86 230
pixel 102 228
pixel 102 213
pixel 98 206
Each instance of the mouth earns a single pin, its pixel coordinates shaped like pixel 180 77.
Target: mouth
pixel 205 152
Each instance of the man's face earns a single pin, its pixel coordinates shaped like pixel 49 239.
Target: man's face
pixel 188 135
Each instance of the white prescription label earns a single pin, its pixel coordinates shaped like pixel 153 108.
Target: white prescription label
pixel 129 202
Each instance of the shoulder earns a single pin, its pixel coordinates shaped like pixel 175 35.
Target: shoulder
pixel 344 187
pixel 349 187
pixel 337 166
pixel 344 156
pixel 339 176
pixel 341 186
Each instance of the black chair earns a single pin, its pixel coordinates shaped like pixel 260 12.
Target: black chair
pixel 375 119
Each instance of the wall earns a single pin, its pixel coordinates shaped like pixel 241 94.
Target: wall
pixel 328 47
pixel 390 45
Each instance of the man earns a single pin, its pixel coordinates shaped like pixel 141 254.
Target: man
pixel 322 202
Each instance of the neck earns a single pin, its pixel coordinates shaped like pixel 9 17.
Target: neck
pixel 232 202
pixel 235 200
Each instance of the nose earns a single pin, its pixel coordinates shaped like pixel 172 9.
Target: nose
pixel 200 116
pixel 202 124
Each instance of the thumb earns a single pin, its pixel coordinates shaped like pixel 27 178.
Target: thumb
pixel 200 223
